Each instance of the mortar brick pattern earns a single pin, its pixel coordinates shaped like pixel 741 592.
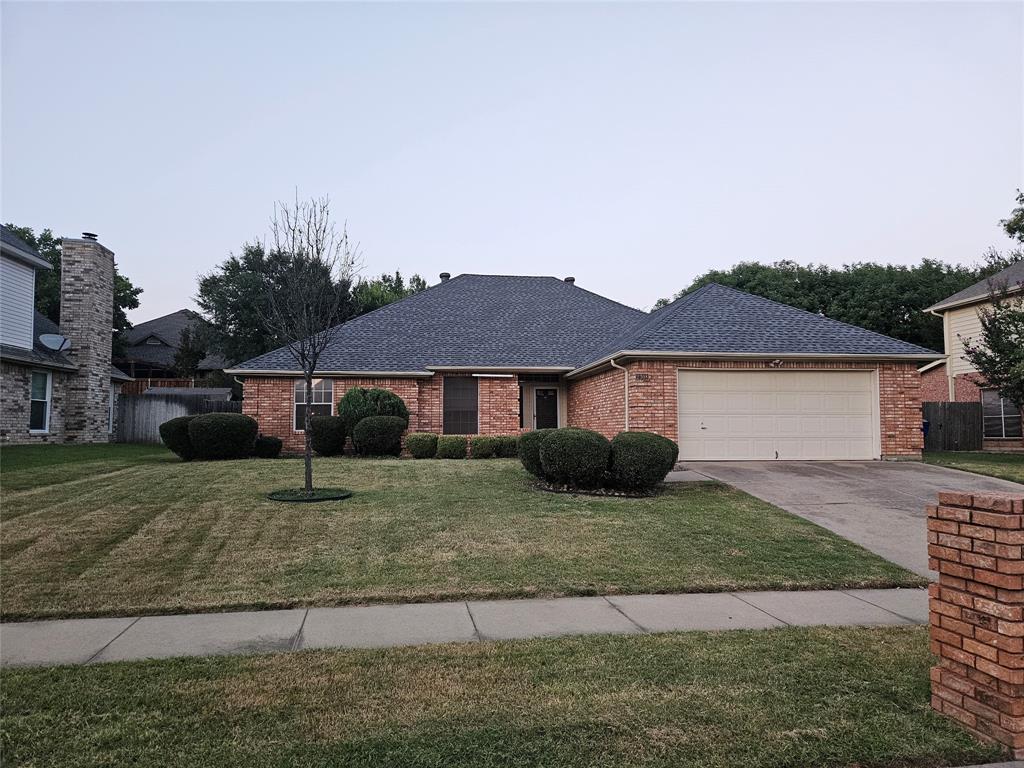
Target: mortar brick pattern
pixel 596 402
pixel 87 317
pixel 15 388
pixel 976 613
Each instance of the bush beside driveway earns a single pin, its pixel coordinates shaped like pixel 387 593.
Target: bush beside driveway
pixel 164 536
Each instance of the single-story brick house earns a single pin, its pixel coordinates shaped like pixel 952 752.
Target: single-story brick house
pixel 726 374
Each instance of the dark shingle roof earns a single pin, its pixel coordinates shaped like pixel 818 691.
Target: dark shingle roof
pixel 1012 277
pixel 44 357
pixel 533 322
pixel 167 329
pixel 14 246
pixel 718 319
pixel 474 320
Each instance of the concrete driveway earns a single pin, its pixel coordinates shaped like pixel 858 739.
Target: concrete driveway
pixel 879 505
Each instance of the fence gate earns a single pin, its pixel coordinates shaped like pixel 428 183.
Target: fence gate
pixel 139 416
pixel 953 426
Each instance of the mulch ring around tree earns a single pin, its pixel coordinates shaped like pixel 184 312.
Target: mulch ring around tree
pixel 540 485
pixel 300 496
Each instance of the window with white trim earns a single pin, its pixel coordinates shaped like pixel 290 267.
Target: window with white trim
pixel 1001 416
pixel 321 401
pixel 39 402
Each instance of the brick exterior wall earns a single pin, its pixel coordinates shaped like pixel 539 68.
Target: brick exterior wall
pixel 935 385
pixel 596 402
pixel 967 387
pixel 86 318
pixel 15 387
pixel 270 402
pixel 976 613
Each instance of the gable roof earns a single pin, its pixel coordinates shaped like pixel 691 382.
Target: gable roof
pixel 477 321
pixel 717 320
pixel 13 246
pixel 496 321
pixel 167 329
pixel 1012 276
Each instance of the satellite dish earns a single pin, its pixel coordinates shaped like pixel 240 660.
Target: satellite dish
pixel 55 341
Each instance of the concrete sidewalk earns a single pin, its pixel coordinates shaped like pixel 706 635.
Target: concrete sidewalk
pixel 88 641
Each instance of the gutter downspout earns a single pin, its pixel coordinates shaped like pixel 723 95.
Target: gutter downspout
pixel 625 376
pixel 950 385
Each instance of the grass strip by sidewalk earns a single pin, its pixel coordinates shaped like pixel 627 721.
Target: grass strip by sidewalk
pixel 796 697
pixel 1008 466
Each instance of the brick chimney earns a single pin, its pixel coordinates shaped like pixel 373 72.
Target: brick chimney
pixel 87 320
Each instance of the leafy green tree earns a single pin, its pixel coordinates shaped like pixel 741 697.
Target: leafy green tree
pixel 368 295
pixel 1014 226
pixel 999 354
pixel 126 295
pixel 192 348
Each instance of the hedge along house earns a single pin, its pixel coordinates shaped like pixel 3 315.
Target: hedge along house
pixel 726 374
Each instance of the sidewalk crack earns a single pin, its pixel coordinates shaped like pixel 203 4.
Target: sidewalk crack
pixel 627 617
pixel 472 620
pixel 298 635
pixel 111 641
pixel 759 608
pixel 882 607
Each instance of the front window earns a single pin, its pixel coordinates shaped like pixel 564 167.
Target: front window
pixel 1002 417
pixel 321 399
pixel 460 405
pixel 39 402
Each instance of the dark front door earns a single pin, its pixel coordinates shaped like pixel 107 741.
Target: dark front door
pixel 545 412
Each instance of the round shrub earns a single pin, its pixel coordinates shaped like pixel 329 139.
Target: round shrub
pixel 222 435
pixel 359 403
pixel 451 447
pixel 174 434
pixel 267 447
pixel 483 447
pixel 508 447
pixel 529 450
pixel 640 460
pixel 379 436
pixel 576 457
pixel 422 445
pixel 327 435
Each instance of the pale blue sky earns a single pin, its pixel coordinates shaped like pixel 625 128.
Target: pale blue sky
pixel 631 145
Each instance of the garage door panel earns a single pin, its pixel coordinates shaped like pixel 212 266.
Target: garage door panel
pixel 751 415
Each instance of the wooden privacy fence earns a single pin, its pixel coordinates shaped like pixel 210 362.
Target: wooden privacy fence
pixel 138 386
pixel 139 416
pixel 952 426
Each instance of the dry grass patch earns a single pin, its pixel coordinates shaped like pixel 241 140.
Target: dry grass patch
pixel 165 536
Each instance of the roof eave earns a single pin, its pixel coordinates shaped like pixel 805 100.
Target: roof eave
pixel 944 306
pixel 20 254
pixel 649 354
pixel 503 368
pixel 320 374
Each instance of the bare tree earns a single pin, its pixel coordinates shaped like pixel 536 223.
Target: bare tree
pixel 306 304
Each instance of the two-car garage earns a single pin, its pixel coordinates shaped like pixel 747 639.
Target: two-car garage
pixel 778 414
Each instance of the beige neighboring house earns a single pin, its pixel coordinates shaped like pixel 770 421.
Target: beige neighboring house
pixel 954 379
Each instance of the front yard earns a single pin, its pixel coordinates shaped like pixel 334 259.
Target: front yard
pixel 804 698
pixel 145 533
pixel 1008 466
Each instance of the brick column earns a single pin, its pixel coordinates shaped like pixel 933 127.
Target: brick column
pixel 977 613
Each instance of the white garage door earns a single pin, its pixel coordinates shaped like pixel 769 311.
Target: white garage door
pixel 762 415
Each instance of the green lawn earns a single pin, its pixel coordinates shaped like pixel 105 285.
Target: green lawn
pixel 1008 466
pixel 801 698
pixel 164 536
pixel 33 466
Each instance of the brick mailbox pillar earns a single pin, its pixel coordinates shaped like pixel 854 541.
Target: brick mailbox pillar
pixel 976 613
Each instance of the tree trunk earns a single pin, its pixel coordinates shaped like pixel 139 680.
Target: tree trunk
pixel 309 444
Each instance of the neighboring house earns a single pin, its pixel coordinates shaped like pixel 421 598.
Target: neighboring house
pixel 153 345
pixel 726 374
pixel 48 395
pixel 954 379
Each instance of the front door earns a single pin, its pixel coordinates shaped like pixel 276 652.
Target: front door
pixel 545 410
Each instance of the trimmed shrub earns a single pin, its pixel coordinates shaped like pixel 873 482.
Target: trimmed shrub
pixel 640 460
pixel 529 450
pixel 174 434
pixel 359 403
pixel 451 447
pixel 222 435
pixel 379 436
pixel 327 435
pixel 422 445
pixel 267 447
pixel 576 457
pixel 483 447
pixel 508 447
